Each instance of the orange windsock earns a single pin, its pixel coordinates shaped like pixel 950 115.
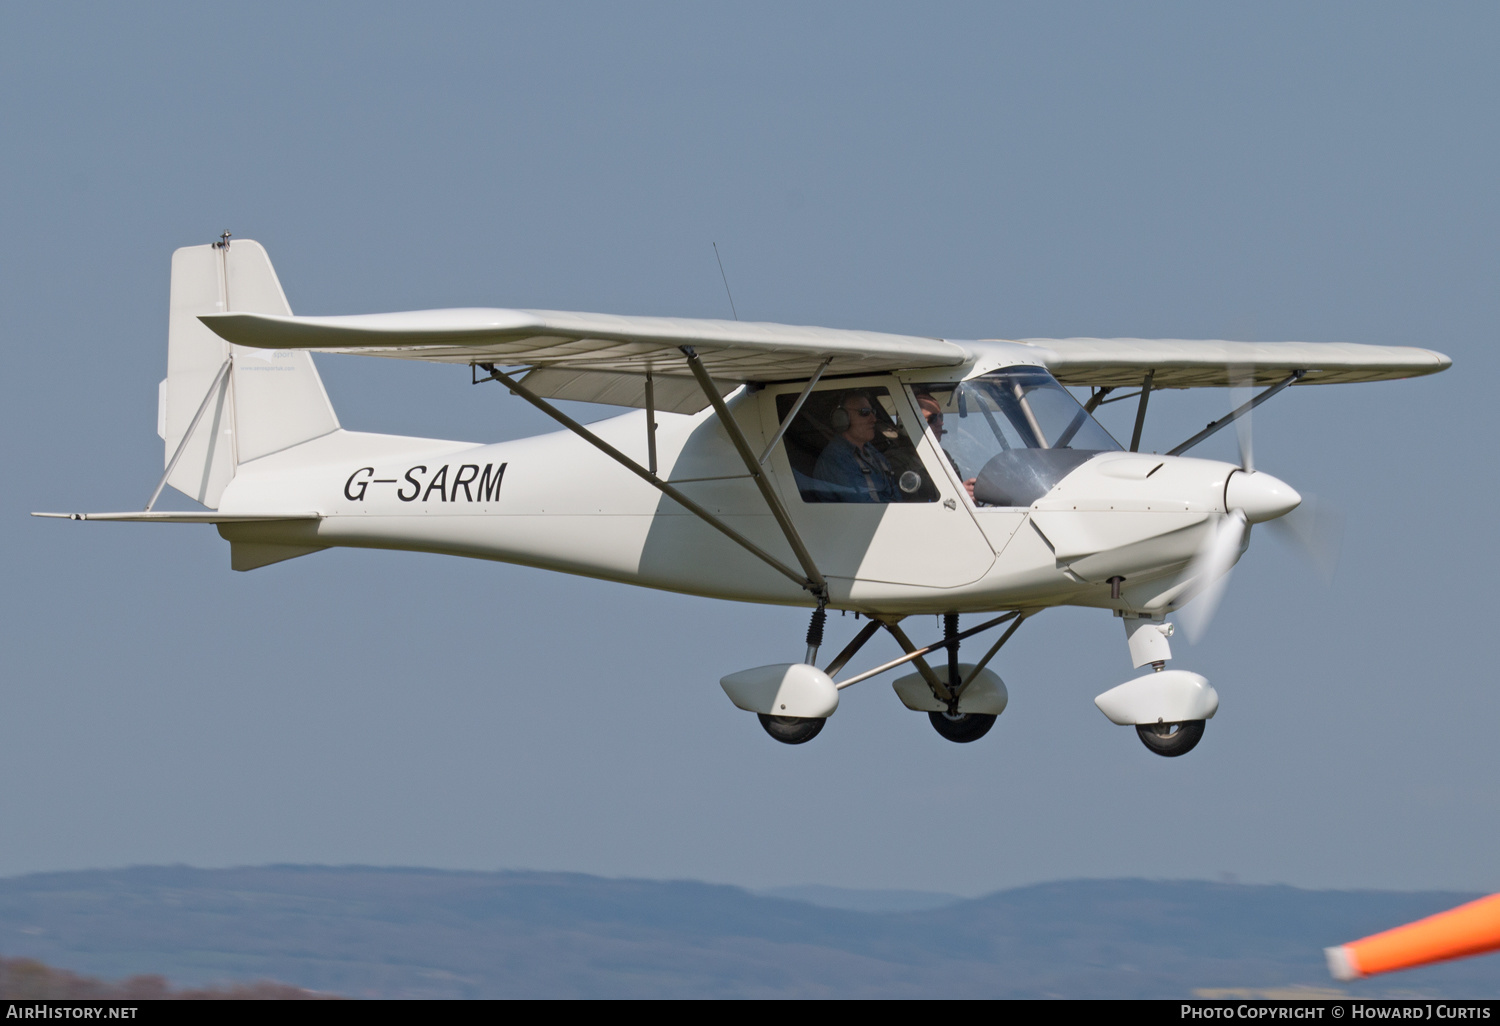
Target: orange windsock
pixel 1470 929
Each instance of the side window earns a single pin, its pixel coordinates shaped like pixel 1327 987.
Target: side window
pixel 848 445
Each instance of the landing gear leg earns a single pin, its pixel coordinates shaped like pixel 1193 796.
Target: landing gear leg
pixel 953 725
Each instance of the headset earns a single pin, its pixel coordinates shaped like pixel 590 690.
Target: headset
pixel 839 418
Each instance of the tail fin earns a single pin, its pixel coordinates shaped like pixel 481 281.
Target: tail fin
pixel 268 401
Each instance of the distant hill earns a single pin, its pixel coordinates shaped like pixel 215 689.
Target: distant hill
pixel 366 932
pixel 862 900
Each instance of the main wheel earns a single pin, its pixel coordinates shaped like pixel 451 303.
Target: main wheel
pixel 792 730
pixel 1171 739
pixel 963 728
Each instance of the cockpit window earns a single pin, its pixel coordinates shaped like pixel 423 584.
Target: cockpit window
pixel 1014 433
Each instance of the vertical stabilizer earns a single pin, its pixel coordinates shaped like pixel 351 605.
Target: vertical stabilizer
pixel 266 402
pixel 278 397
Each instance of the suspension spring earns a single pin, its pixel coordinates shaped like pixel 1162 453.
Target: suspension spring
pixel 815 628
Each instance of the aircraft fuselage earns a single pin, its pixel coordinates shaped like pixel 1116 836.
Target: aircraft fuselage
pixel 556 502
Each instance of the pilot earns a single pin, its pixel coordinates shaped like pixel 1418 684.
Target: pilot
pixel 856 470
pixel 932 412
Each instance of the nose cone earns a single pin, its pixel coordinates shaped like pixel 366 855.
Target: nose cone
pixel 1260 495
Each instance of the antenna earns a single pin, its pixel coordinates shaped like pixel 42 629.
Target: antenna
pixel 726 282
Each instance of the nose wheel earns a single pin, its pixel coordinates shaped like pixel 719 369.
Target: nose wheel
pixel 1168 708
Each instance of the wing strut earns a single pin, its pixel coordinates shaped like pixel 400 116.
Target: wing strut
pixel 1140 412
pixel 1097 399
pixel 817 587
pixel 650 423
pixel 791 414
pixel 1237 414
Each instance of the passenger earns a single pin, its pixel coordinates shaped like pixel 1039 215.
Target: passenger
pixel 932 412
pixel 856 470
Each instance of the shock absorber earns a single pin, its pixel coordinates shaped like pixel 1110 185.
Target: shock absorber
pixel 950 637
pixel 815 633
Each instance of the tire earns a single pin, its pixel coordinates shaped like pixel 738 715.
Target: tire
pixel 792 730
pixel 1171 739
pixel 963 728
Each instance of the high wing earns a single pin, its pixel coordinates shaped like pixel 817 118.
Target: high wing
pixel 604 358
pixel 1181 363
pixel 598 357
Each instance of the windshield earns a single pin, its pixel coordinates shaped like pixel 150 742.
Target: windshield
pixel 1014 433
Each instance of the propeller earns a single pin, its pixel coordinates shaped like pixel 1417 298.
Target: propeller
pixel 1253 497
pixel 1316 530
pixel 1212 563
pixel 1244 382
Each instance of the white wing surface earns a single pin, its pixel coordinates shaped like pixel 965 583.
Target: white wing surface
pixel 1182 363
pixel 604 357
pixel 731 350
pixel 598 357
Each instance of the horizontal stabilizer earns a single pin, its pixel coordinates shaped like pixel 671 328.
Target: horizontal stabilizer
pixel 167 517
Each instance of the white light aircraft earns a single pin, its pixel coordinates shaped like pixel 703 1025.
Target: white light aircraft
pixel 887 475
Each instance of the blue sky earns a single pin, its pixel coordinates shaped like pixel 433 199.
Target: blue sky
pixel 1319 172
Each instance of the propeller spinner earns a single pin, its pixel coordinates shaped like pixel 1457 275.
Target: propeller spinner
pixel 1251 497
